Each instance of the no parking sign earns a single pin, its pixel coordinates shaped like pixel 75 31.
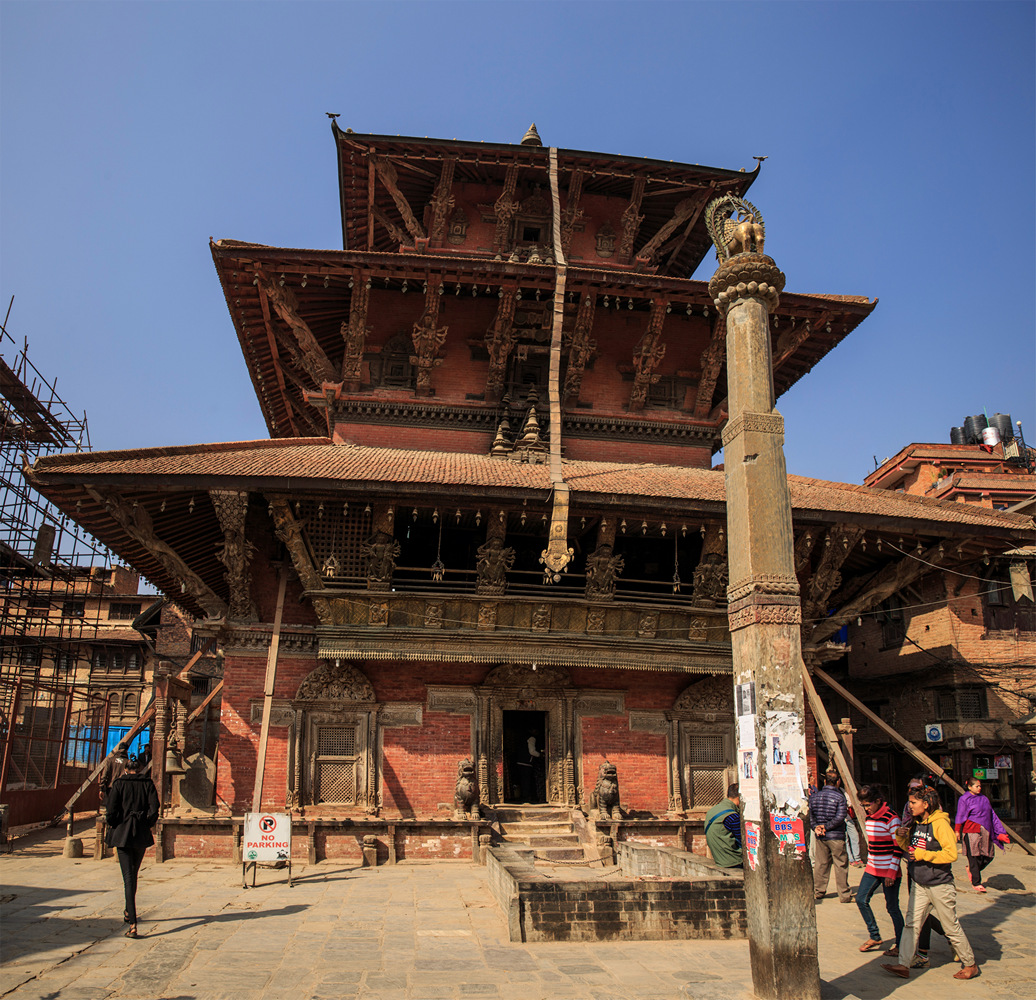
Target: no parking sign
pixel 267 837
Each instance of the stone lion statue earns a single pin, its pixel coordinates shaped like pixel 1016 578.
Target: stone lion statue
pixel 606 792
pixel 465 796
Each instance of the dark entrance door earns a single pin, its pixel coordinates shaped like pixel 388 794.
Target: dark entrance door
pixel 525 756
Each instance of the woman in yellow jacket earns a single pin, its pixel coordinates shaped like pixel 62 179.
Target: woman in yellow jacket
pixel 931 848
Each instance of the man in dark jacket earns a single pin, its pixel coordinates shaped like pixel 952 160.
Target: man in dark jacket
pixel 827 812
pixel 132 810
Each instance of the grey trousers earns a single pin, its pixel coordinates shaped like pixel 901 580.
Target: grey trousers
pixel 830 852
pixel 942 901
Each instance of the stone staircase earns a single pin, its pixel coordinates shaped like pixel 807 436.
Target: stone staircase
pixel 548 830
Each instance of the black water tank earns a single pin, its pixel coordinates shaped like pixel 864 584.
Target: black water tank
pixel 957 435
pixel 973 428
pixel 1002 422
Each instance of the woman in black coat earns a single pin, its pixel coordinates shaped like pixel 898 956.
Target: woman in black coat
pixel 132 811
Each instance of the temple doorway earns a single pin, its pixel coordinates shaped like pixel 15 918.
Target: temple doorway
pixel 525 756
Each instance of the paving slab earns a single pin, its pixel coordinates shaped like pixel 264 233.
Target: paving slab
pixel 424 931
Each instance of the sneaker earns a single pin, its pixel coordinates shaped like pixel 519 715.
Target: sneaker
pixel 920 962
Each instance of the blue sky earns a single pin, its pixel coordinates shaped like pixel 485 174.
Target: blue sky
pixel 900 138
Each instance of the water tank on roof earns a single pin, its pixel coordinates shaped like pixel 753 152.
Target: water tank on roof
pixel 973 428
pixel 957 435
pixel 1002 422
pixel 990 436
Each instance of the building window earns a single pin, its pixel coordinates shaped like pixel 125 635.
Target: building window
pixel 39 607
pixel 397 372
pixel 962 703
pixel 30 655
pixel 893 623
pixel 334 765
pixel 706 758
pixel 73 609
pixel 123 612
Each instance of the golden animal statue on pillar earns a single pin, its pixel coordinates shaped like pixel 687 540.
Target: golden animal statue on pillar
pixel 735 226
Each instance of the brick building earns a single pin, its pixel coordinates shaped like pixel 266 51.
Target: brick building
pixel 486 510
pixel 950 663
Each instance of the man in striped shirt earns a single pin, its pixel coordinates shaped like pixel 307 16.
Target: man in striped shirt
pixel 883 867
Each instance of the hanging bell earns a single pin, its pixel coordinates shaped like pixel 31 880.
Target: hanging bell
pixel 173 761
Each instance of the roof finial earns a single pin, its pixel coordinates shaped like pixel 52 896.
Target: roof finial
pixel 532 137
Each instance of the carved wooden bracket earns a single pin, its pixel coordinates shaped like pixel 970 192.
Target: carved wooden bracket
pixel 289 531
pixel 572 213
pixel 631 220
pixel 236 552
pixel 442 203
pixel 685 209
pixel 505 209
pixel 712 359
pixel 387 173
pixel 581 349
pixel 500 338
pixel 311 357
pixel 826 578
pixel 887 582
pixel 137 523
pixel 354 331
pixel 428 337
pixel 710 575
pixel 649 353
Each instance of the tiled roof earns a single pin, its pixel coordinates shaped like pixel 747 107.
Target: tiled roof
pixel 313 463
pixel 990 482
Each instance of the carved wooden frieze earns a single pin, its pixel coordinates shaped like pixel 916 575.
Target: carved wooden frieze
pixel 433 614
pixel 281 712
pixel 602 573
pixel 648 722
pixel 236 553
pixel 456 700
pixel 487 616
pixel 647 356
pixel 458 227
pixel 137 523
pixel 520 675
pixel 336 680
pixel 604 240
pixel 400 715
pixel 378 613
pixel 494 560
pixel 708 699
pixel 595 703
pixel 595 619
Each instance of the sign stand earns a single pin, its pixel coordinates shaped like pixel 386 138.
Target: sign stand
pixel 266 844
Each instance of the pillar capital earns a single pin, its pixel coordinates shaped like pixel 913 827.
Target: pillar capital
pixel 746 276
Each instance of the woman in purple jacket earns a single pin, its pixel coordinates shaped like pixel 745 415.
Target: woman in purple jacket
pixel 978 828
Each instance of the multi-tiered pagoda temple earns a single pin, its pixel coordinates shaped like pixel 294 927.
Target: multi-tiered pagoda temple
pixel 487 491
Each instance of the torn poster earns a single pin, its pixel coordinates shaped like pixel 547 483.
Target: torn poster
pixel 786 761
pixel 791 832
pixel 752 844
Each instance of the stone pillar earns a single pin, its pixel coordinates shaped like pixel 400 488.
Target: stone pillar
pixel 765 616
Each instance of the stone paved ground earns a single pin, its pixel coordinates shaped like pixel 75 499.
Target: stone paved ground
pixel 419 931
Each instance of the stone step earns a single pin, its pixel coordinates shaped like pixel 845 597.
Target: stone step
pixel 526 827
pixel 559 853
pixel 532 814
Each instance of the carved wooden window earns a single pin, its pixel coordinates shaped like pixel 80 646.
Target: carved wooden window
pixel 335 764
pixel 893 623
pixel 707 758
pixel 962 703
pixel 396 370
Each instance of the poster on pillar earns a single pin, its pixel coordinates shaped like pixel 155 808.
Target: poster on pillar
pixel 748 769
pixel 786 750
pixel 752 844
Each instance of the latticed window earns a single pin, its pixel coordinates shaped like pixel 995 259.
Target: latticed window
pixel 706 761
pixel 120 611
pixel 335 762
pixel 962 703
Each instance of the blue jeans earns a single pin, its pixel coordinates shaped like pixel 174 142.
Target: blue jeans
pixel 852 840
pixel 869 885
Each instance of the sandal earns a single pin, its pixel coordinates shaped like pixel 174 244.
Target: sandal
pixel 893 952
pixel 898 970
pixel 980 888
pixel 131 933
pixel 871 945
pixel 125 916
pixel 968 972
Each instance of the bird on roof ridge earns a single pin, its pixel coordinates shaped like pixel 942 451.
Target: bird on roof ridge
pixel 532 137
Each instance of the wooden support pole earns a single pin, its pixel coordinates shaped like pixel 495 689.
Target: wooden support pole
pixel 914 751
pixel 844 767
pixel 271 678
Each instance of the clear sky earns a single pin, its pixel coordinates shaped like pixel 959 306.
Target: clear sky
pixel 900 138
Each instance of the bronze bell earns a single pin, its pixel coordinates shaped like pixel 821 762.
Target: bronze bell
pixel 173 762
